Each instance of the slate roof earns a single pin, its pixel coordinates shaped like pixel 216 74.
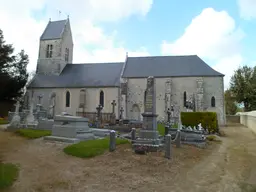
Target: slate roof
pixel 81 75
pixel 167 66
pixel 53 30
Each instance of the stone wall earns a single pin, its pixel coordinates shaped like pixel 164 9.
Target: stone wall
pixel 233 118
pixel 248 119
pixel 92 99
pixel 213 87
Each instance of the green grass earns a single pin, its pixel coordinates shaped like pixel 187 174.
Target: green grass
pixel 3 122
pixel 92 148
pixel 8 174
pixel 33 133
pixel 161 128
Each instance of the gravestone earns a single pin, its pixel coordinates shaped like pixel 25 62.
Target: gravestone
pixel 52 101
pixel 99 109
pixel 113 117
pixel 121 113
pixel 15 122
pixel 30 119
pixel 70 129
pixel 148 139
pixel 113 106
pixel 121 116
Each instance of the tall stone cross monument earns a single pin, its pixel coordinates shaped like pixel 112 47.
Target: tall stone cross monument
pixel 148 137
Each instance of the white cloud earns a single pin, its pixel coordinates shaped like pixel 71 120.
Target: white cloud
pixel 23 31
pixel 212 35
pixel 247 8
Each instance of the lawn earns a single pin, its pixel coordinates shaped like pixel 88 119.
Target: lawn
pixel 8 174
pixel 92 148
pixel 33 133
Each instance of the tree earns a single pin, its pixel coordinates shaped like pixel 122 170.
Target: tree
pixel 13 71
pixel 230 103
pixel 243 87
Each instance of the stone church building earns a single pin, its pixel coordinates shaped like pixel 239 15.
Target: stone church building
pixel 82 87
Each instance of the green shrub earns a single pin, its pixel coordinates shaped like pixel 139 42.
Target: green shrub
pixel 207 119
pixel 8 174
pixel 211 137
pixel 33 133
pixel 91 148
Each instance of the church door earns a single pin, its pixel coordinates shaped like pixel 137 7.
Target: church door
pixel 136 112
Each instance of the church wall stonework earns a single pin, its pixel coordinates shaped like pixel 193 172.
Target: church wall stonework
pixel 213 86
pixel 49 65
pixel 92 99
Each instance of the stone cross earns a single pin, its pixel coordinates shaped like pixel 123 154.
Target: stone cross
pixel 172 111
pixel 113 106
pixel 121 112
pixel 39 98
pixel 99 108
pixel 17 107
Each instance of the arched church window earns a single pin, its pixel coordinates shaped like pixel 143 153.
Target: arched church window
pixel 67 99
pixel 49 51
pixel 102 98
pixel 185 98
pixel 213 102
pixel 82 99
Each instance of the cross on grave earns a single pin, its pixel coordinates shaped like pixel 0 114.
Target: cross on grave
pixel 113 106
pixel 39 98
pixel 172 111
pixel 17 107
pixel 99 108
pixel 121 113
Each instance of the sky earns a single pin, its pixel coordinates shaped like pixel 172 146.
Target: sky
pixel 221 32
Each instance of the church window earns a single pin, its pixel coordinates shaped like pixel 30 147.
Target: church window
pixel 102 98
pixel 49 51
pixel 185 98
pixel 66 54
pixel 82 99
pixel 213 102
pixel 67 99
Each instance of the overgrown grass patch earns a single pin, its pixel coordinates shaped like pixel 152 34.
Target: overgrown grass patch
pixel 33 133
pixel 246 187
pixel 213 138
pixel 92 148
pixel 8 174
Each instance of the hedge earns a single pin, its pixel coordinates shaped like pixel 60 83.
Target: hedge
pixel 208 120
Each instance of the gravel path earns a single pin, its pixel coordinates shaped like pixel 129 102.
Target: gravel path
pixel 228 166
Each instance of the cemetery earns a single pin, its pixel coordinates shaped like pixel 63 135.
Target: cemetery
pixel 119 153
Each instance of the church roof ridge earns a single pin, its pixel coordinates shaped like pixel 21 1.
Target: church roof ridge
pixel 168 66
pixel 96 63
